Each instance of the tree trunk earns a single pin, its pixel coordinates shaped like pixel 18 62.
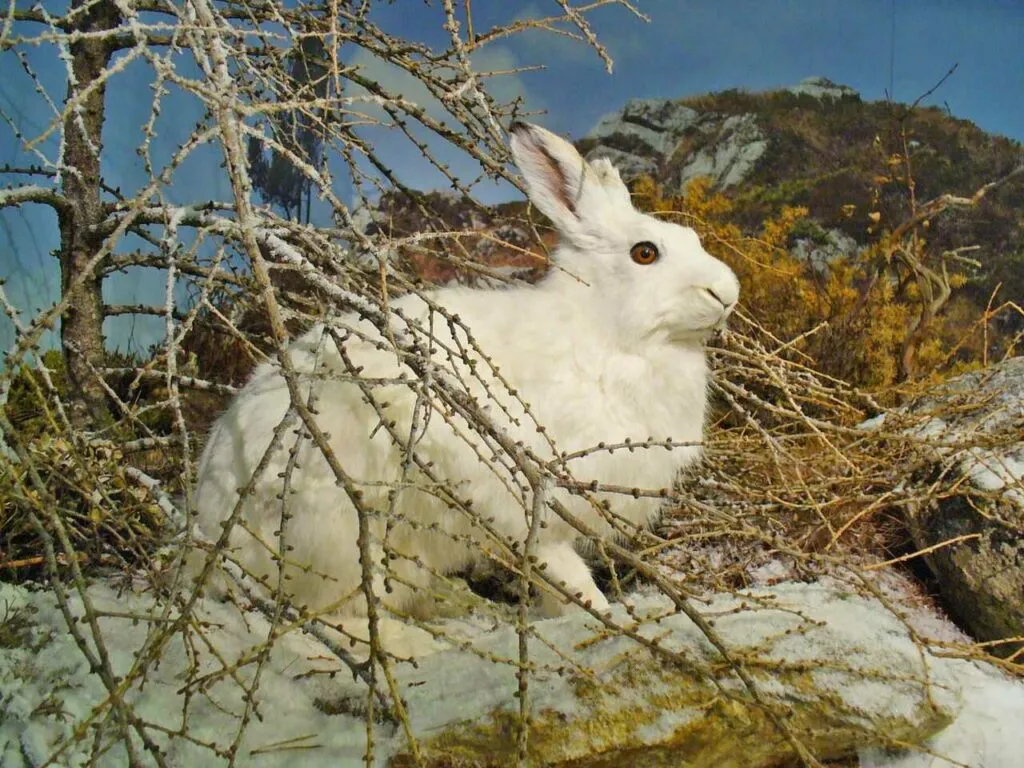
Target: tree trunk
pixel 82 325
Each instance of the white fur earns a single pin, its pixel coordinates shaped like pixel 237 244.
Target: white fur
pixel 601 349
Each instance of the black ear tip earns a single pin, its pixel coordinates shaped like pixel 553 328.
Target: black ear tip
pixel 519 127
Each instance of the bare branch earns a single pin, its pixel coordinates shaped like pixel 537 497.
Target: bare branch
pixel 16 196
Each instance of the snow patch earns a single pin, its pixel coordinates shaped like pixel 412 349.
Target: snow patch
pixel 46 688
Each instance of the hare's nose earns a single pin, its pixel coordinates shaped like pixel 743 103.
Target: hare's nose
pixel 725 291
pixel 715 296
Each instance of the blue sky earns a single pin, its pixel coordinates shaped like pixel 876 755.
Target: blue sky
pixel 695 46
pixel 689 47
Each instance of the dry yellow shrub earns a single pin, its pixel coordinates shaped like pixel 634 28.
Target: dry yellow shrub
pixel 851 322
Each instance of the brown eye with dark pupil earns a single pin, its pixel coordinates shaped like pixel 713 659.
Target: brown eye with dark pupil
pixel 644 253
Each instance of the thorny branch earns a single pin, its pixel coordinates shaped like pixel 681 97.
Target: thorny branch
pixel 239 279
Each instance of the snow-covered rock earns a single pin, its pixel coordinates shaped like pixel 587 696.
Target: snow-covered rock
pixel 985 735
pixel 841 670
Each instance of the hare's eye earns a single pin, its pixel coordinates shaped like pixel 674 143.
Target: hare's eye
pixel 644 253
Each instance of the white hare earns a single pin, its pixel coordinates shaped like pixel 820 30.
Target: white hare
pixel 608 345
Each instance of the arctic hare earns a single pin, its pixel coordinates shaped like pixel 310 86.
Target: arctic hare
pixel 608 345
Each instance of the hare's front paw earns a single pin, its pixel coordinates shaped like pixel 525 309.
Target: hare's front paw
pixel 566 568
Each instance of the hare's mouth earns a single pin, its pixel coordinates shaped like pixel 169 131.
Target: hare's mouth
pixel 672 328
pixel 675 333
pixel 695 334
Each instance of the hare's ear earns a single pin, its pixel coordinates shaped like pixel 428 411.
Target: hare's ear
pixel 554 173
pixel 611 182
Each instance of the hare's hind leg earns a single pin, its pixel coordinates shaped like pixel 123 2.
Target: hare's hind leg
pixel 565 567
pixel 404 593
pixel 395 638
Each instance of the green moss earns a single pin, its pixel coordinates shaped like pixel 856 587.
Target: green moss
pixel 25 405
pixel 732 732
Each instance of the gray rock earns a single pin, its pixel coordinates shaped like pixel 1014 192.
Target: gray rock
pixel 820 253
pixel 730 155
pixel 980 450
pixel 658 124
pixel 822 88
pixel 642 137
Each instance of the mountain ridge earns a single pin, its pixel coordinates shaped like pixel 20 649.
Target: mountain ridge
pixel 819 145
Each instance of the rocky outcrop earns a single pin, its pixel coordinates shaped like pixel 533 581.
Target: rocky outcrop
pixel 670 140
pixel 813 144
pixel 822 88
pixel 825 248
pixel 642 136
pixel 730 155
pixel 977 435
pixel 656 125
pixel 649 134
